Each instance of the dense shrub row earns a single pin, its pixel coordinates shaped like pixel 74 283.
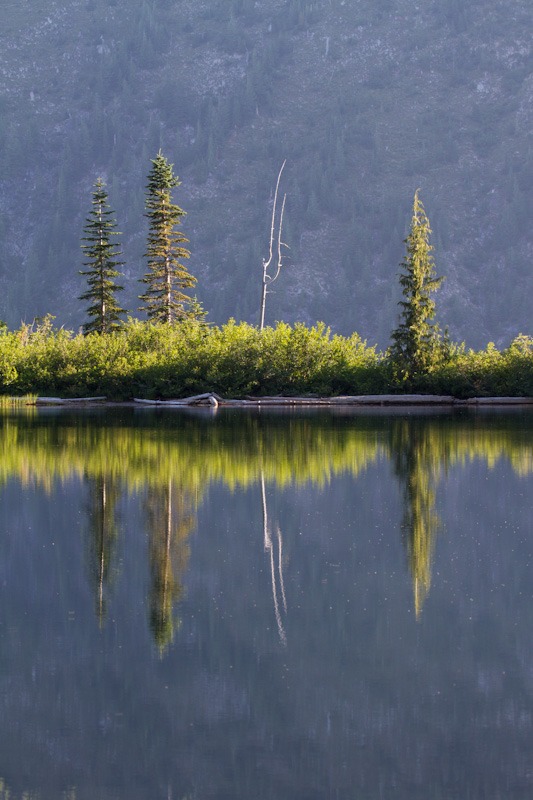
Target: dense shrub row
pixel 488 372
pixel 162 361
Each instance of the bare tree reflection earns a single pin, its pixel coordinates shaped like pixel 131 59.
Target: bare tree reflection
pixel 270 546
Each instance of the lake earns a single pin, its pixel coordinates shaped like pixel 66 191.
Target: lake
pixel 233 605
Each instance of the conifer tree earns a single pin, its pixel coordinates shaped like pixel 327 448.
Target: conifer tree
pixel 197 313
pixel 416 342
pixel 164 300
pixel 101 252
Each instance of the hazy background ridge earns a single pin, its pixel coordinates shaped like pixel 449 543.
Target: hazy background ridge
pixel 366 100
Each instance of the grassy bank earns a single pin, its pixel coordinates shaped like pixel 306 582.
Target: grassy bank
pixel 159 361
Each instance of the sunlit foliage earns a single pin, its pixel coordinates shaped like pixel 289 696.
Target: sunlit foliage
pixel 416 341
pixel 157 360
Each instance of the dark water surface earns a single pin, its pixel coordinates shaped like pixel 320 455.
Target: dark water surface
pixel 241 607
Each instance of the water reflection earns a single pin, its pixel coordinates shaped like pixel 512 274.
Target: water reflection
pixel 101 533
pixel 142 451
pixel 276 565
pixel 253 582
pixel 115 454
pixel 418 462
pixel 170 517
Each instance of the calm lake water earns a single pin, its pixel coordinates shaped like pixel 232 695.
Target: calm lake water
pixel 287 607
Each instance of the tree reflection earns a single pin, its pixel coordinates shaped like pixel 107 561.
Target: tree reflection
pixel 171 516
pixel 172 461
pixel 104 493
pixel 417 460
pixel 234 450
pixel 269 548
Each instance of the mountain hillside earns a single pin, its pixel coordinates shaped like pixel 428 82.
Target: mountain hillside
pixel 367 100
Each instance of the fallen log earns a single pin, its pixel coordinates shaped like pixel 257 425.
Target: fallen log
pixel 352 400
pixel 393 400
pixel 59 401
pixel 500 401
pixel 213 400
pixel 287 401
pixel 285 398
pixel 207 398
pixel 85 399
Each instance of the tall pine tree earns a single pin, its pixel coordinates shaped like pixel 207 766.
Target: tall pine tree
pixel 416 342
pixel 101 252
pixel 164 300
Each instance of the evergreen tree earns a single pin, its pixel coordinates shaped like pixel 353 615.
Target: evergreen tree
pixel 164 300
pixel 104 310
pixel 416 342
pixel 197 313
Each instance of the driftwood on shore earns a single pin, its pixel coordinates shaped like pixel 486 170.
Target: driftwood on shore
pixel 206 399
pixel 213 400
pixel 499 401
pixel 59 401
pixel 210 399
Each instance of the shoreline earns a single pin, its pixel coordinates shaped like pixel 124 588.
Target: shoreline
pixel 212 400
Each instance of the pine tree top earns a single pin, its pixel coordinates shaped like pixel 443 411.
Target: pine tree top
pixel 162 175
pixel 159 206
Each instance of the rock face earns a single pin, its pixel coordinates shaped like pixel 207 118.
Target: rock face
pixel 366 101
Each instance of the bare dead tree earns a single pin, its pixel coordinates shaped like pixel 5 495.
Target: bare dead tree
pixel 268 279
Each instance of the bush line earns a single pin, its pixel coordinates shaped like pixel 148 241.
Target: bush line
pixel 159 361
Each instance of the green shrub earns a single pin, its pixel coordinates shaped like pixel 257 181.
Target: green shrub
pixel 155 360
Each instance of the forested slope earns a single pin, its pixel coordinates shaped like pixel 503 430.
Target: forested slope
pixel 367 100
